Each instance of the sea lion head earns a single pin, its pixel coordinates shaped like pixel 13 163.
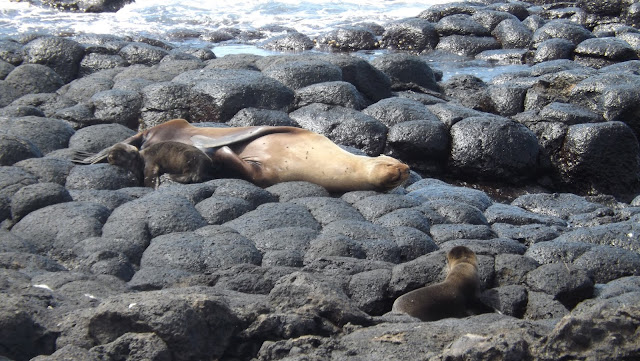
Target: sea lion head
pixel 125 156
pixel 461 254
pixel 386 173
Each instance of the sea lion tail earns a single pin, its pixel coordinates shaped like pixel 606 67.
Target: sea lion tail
pixel 81 157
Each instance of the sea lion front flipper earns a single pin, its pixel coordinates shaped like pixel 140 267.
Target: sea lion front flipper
pixel 244 134
pixel 232 162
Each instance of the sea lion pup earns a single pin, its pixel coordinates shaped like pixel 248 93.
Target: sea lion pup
pixel 268 155
pixel 456 296
pixel 182 162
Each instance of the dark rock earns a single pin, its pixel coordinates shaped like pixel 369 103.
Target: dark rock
pixel 527 234
pixel 5 69
pixel 506 99
pixel 392 111
pixel 298 74
pixel 541 306
pixel 503 213
pixel 512 269
pixel 334 245
pixel 469 91
pixel 593 322
pixel 98 137
pixel 47 169
pixel 457 212
pixel 108 198
pixel 46 103
pixel 36 196
pixel 552 49
pixel 566 284
pixel 460 24
pixel 467 45
pixel 95 62
pixel 273 215
pixel 141 53
pixel 491 18
pixel 368 290
pixel 170 100
pixel 370 81
pixel 293 293
pixel 183 311
pixel 235 61
pixel 287 191
pixel 117 106
pixel 139 71
pixel 244 190
pixel 417 273
pixel 606 263
pixel 510 300
pixel 562 205
pixel 81 90
pixel 490 247
pixel 493 148
pixel 33 78
pixel 425 143
pixel 100 176
pixel 47 134
pixel 221 209
pixel 60 54
pixel 350 38
pixel 7 95
pixel 331 93
pixel 406 71
pixel 343 126
pixel 410 34
pixel 293 41
pixel 248 117
pixel 512 34
pixel 231 91
pixel 569 114
pixel 562 29
pixel 381 204
pixel 450 113
pixel 587 168
pixel 286 238
pixel 599 52
pixel 14 149
pixel 326 210
pixel 57 228
pixel 617 287
pixel 151 216
pixel 11 51
pixel 622 235
pixel 557 251
pixel 205 250
pixel 405 217
pixel 432 190
pixel 25 335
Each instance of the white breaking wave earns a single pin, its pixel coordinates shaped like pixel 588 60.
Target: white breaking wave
pixel 165 18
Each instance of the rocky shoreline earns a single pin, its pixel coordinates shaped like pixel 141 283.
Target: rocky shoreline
pixel 95 267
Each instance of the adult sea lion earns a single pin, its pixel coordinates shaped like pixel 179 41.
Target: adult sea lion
pixel 268 155
pixel 456 296
pixel 182 162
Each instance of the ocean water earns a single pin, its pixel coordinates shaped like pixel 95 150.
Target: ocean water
pixel 188 21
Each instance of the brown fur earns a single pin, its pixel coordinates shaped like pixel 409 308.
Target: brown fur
pixel 269 155
pixel 182 162
pixel 456 296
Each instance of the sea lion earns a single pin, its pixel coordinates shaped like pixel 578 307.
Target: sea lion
pixel 182 162
pixel 267 155
pixel 456 296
